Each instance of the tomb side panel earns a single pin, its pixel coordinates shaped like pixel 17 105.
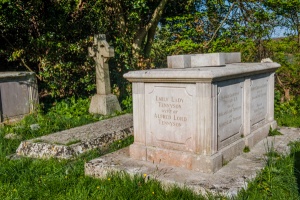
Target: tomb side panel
pixel 14 99
pixel 170 116
pixel 230 111
pixel 138 93
pixel 206 118
pixel 259 99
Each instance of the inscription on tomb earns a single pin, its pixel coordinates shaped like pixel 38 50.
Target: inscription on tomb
pixel 168 112
pixel 230 109
pixel 259 90
pixel 171 114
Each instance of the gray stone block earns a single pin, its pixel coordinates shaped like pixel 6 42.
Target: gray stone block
pixel 179 61
pixel 203 60
pixel 18 95
pixel 210 59
pixel 104 104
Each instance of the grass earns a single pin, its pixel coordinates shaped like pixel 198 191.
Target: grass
pixel 274 132
pixel 287 113
pixel 73 142
pixel 64 179
pixel 278 180
pixel 28 178
pixel 246 149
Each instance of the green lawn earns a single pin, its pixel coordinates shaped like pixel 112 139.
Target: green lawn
pixel 64 179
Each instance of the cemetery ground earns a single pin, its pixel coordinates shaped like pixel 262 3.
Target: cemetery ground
pixel 27 178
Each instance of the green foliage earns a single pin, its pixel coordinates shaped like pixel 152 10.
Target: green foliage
pixel 216 26
pixel 276 181
pixel 120 144
pixel 127 103
pixel 287 113
pixel 63 115
pixel 246 149
pixel 274 132
pixel 51 38
pixel 65 179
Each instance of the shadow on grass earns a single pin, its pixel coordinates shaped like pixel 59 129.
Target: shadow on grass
pixel 297 169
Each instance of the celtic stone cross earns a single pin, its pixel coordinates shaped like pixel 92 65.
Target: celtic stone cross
pixel 103 102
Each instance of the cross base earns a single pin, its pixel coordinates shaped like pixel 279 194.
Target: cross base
pixel 104 104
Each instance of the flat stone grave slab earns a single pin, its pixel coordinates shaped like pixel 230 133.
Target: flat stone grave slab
pixel 69 143
pixel 228 180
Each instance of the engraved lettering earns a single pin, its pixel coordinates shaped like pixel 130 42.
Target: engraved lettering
pixel 179 100
pixel 230 108
pixel 179 118
pixel 161 116
pixel 170 105
pixel 259 100
pixel 161 98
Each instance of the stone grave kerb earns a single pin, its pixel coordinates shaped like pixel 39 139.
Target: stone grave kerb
pixel 103 102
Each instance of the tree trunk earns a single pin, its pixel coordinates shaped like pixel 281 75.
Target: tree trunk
pixel 144 31
pixel 150 39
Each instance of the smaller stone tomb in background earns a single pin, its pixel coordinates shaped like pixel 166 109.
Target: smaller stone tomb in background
pixel 18 95
pixel 198 113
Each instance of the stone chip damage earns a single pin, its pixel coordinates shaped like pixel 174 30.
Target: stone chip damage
pixel 69 143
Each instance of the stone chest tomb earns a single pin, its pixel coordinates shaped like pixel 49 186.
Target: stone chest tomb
pixel 202 111
pixel 18 95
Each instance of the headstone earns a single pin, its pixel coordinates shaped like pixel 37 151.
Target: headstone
pixel 18 95
pixel 200 118
pixel 103 102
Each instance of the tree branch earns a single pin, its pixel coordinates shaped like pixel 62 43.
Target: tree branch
pixel 27 67
pixel 215 33
pixel 22 60
pixel 150 38
pixel 142 32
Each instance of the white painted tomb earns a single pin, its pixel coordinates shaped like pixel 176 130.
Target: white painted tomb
pixel 199 117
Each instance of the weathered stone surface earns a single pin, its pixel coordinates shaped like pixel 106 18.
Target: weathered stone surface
pixel 179 61
pixel 228 180
pixel 203 60
pixel 13 136
pixel 233 57
pixel 35 127
pixel 230 111
pixel 18 95
pixel 170 116
pixel 201 74
pixel 103 102
pixel 69 143
pixel 210 59
pixel 259 98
